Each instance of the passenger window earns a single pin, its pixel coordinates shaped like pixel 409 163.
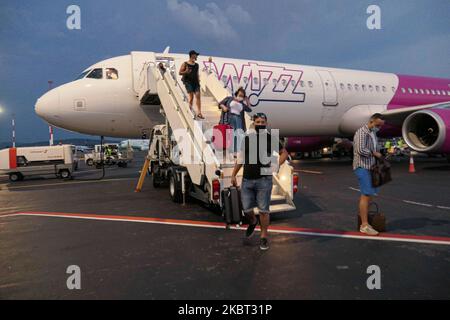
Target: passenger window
pixel 302 83
pixel 96 74
pixel 255 81
pixel 370 88
pixel 384 89
pixel 433 92
pixel 112 74
pixel 377 88
pixel 427 91
pixel 356 87
pixel 393 89
pixel 310 83
pixel 363 87
pixel 342 86
pixel 349 86
pixel 410 90
pixel 416 91
pixel 421 91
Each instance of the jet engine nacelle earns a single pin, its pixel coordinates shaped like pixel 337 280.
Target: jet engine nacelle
pixel 428 131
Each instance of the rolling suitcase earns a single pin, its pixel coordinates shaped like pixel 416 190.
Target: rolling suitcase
pixel 376 219
pixel 222 136
pixel 231 205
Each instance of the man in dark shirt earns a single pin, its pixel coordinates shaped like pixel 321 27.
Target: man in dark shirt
pixel 257 157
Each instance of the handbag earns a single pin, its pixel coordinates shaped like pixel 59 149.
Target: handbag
pixel 375 218
pixel 381 173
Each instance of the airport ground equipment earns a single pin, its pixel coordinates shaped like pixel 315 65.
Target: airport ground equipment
pixel 181 152
pixel 110 154
pixel 19 163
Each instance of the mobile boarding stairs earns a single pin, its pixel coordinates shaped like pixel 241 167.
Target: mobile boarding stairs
pixel 181 151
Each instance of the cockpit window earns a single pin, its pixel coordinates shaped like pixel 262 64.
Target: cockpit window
pixel 96 74
pixel 112 73
pixel 83 74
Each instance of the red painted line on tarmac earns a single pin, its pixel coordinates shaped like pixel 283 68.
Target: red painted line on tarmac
pixel 273 229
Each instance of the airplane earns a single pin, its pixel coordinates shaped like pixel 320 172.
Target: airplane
pixel 138 144
pixel 301 101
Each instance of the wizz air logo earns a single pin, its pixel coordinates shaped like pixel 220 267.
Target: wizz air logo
pixel 263 83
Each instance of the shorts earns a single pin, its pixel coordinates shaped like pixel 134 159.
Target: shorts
pixel 365 182
pixel 256 194
pixel 192 87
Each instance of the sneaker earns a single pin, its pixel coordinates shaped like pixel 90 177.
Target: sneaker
pixel 264 244
pixel 250 230
pixel 368 230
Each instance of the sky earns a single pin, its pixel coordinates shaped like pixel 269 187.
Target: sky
pixel 36 45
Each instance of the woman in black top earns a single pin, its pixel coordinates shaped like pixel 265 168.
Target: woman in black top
pixel 190 77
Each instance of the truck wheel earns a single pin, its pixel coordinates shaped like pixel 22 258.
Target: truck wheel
pixel 15 176
pixel 64 174
pixel 156 181
pixel 175 189
pixel 90 162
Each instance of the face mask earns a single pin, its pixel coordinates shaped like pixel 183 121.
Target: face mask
pixel 375 130
pixel 260 128
pixel 240 99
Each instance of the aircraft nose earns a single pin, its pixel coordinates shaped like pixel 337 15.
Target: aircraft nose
pixel 47 106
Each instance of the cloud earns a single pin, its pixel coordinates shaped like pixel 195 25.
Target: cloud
pixel 212 21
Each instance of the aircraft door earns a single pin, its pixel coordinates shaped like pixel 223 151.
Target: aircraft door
pixel 330 97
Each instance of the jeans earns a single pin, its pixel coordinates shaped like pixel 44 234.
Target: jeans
pixel 256 194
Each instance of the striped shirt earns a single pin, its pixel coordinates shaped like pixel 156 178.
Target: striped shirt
pixel 364 145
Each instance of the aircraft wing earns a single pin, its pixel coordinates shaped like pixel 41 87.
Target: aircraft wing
pixel 397 116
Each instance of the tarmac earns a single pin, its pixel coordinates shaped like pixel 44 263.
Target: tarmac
pixel 132 245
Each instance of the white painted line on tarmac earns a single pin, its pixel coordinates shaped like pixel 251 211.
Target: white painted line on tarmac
pixel 273 229
pixel 427 205
pixel 309 171
pixel 419 203
pixel 68 183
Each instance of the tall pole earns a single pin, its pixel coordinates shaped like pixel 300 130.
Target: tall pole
pixel 13 126
pixel 50 128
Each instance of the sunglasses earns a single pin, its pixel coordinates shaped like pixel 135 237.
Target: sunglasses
pixel 259 115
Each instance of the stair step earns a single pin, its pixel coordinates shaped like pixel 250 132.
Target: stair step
pixel 277 197
pixel 281 207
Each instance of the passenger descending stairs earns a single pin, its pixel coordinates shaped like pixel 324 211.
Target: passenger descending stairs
pixel 159 83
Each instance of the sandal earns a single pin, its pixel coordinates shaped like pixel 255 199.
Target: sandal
pixel 200 116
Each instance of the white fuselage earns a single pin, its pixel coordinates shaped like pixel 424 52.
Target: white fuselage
pixel 299 100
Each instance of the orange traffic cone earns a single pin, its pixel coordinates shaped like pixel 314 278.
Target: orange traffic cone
pixel 412 168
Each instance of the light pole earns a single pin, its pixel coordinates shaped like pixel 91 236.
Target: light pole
pixel 50 128
pixel 13 127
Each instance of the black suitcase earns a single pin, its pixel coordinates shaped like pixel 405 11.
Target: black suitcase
pixel 231 205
